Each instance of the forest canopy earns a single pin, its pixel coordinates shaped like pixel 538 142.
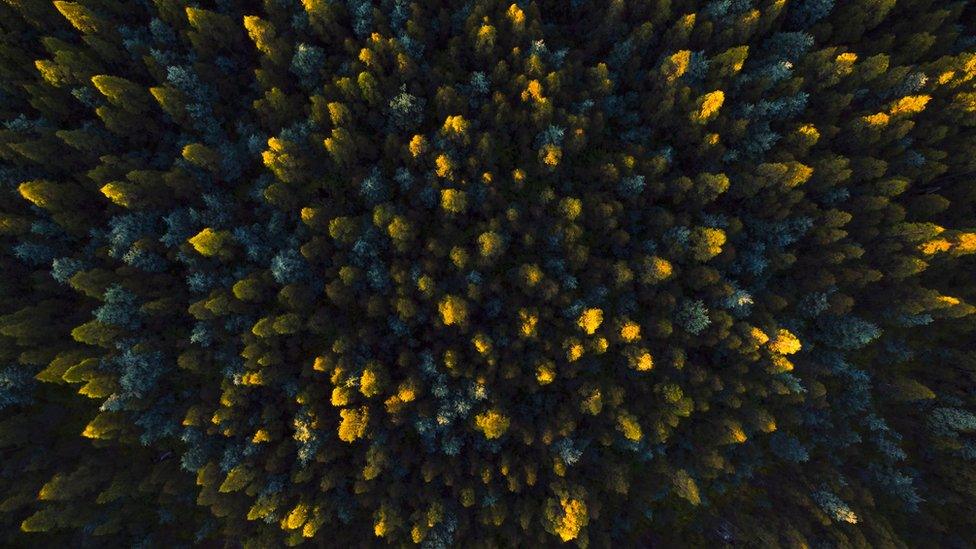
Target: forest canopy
pixel 351 273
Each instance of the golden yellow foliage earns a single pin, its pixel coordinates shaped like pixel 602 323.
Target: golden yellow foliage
pixel 781 364
pixel 708 106
pixel 385 520
pixel 52 73
pixel 261 33
pixel 797 174
pixel 735 433
pixel 453 310
pixel 492 423
pixel 659 270
pixel 354 423
pixel 533 91
pixel 516 16
pixel 399 228
pixel 418 145
pixel 253 378
pixel 600 345
pixel 119 193
pixel 642 361
pixel 459 256
pixel 296 518
pixel 339 114
pixel 948 300
pixel 311 216
pixel 545 373
pixel 707 242
pixel 590 320
pixel 489 243
pixel 314 523
pixel 407 391
pixel 486 37
pixel 676 65
pixel 42 194
pixel 550 155
pixel 574 352
pixel 574 518
pixel 570 207
pixel 78 15
pixel 879 119
pixel 528 322
pixel 935 246
pixel 482 343
pixel 845 64
pixel 627 424
pixel 945 77
pixel 456 126
pixel 209 242
pixel 425 284
pixel 370 383
pixel 454 200
pixel 910 104
pixel 965 243
pixel 531 274
pixel 518 175
pixel 367 57
pixel 101 427
pixel 961 243
pixel 630 331
pixel 809 133
pixel 785 343
pixel 444 167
